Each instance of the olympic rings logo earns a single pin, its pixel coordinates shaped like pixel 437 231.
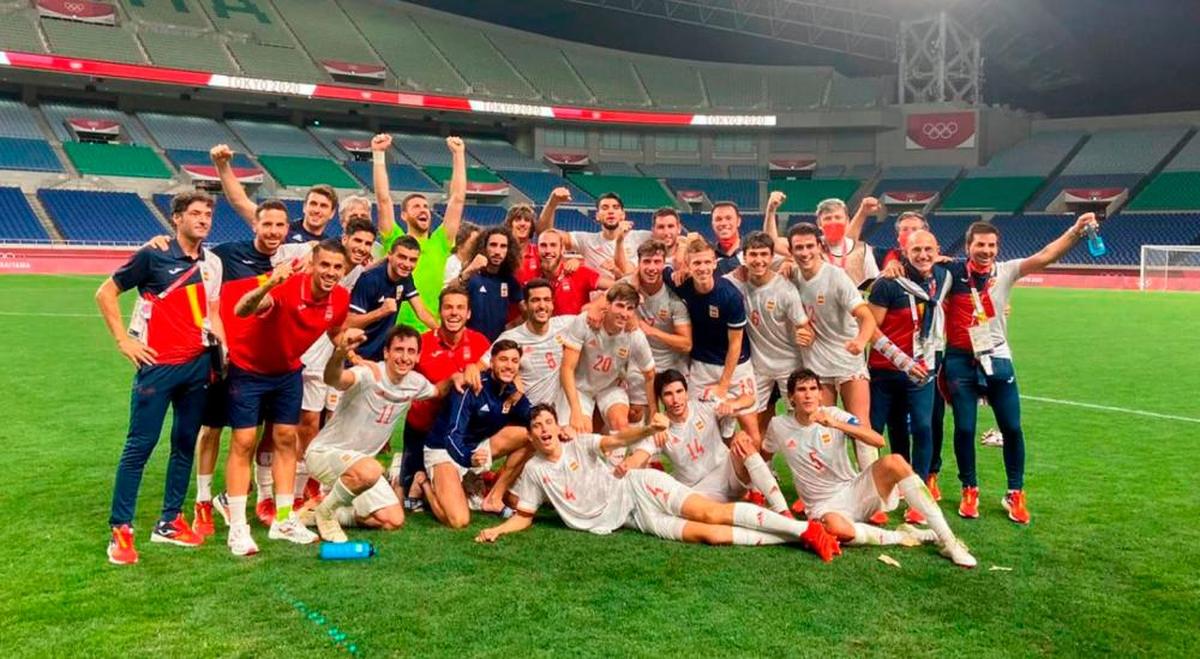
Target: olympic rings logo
pixel 940 130
pixel 74 7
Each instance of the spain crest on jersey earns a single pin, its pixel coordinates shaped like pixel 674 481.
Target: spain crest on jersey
pixel 770 305
pixel 699 425
pixel 713 311
pixel 558 339
pixel 622 353
pixel 574 466
pixel 503 290
pixel 820 299
pixel 826 438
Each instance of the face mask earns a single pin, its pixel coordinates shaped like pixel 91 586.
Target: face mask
pixel 834 233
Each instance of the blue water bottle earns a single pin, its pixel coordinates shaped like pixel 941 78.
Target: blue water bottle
pixel 1095 243
pixel 346 551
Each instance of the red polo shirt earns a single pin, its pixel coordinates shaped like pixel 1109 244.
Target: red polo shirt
pixel 573 291
pixel 439 360
pixel 530 266
pixel 275 340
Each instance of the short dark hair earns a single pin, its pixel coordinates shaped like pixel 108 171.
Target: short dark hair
pixel 409 197
pixel 758 240
pixel 465 229
pixel 537 282
pixel 181 201
pixel 980 228
pixel 726 204
pixel 665 211
pixel 667 377
pixel 909 215
pixel 453 289
pixel 407 242
pixel 652 247
pixel 270 205
pixel 610 195
pixel 804 229
pixel 537 410
pixel 801 375
pixel 324 190
pixel 359 225
pixel 401 332
pixel 623 291
pixel 331 245
pixel 505 344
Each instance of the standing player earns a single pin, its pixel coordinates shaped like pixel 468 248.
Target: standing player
pixel 599 249
pixel 520 221
pixel 319 202
pixel 664 320
pixel 541 337
pixel 418 219
pixel 494 290
pixel 167 342
pixel 377 295
pixel 595 362
pixel 666 228
pixel 979 360
pixel 291 311
pixel 840 249
pixel 573 284
pixel 813 441
pixel 726 226
pixel 576 478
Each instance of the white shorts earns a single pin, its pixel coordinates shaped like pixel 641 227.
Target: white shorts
pixel 701 376
pixel 657 503
pixel 590 402
pixel 328 464
pixel 857 501
pixel 318 395
pixel 838 380
pixel 764 385
pixel 721 484
pixel 437 456
pixel 635 388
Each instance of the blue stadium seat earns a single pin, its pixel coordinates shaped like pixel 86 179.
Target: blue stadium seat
pixel 17 220
pixel 115 217
pixel 333 229
pixel 911 185
pixel 227 224
pixel 485 215
pixel 538 185
pixel 183 157
pixel 743 192
pixel 401 176
pixel 1024 235
pixel 1125 233
pixel 28 155
pixel 574 219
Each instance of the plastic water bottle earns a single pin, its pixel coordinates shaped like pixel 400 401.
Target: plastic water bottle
pixel 346 551
pixel 1095 244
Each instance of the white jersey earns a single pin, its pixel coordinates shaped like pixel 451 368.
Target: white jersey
pixel 829 298
pixel 694 445
pixel 596 249
pixel 541 358
pixel 367 412
pixel 664 310
pixel 605 358
pixel 774 311
pixel 815 454
pixel 454 266
pixel 1007 274
pixel 580 485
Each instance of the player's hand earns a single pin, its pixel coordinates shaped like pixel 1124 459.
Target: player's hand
pixel 161 243
pixel 892 270
pixel 220 154
pixel 559 195
pixel 567 434
pixel 481 458
pixel 595 315
pixel 389 306
pixel 869 206
pixel 716 392
pixel 918 372
pixel 381 142
pixel 742 445
pixel 479 262
pixel 805 336
pixel 488 535
pixel 137 352
pixel 455 144
pixel 580 423
pixel 775 200
pixel 570 265
pixel 942 258
pixel 855 347
pixel 623 229
pixel 661 438
pixel 519 383
pixel 351 338
pixel 741 273
pixel 820 417
pixel 281 273
pixel 1084 221
pixel 678 276
pixel 458 382
pixel 660 422
pixel 725 408
pixel 621 469
pixel 473 378
pixel 787 268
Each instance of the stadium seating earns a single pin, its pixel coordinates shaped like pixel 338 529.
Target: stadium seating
pixel 58 113
pixel 796 88
pixel 862 172
pixel 485 215
pixel 328 137
pixel 200 52
pixel 183 157
pixel 176 13
pixel 1125 233
pixel 544 66
pixel 18 120
pixel 747 171
pixel 538 185
pixel 1024 235
pixel 298 172
pixel 611 79
pixel 804 195
pixel 743 192
pixel 107 217
pixel 617 169
pixel 678 170
pixel 406 50
pixel 740 88
pixel 574 219
pixel 227 225
pixel 854 93
pixel 916 179
pixel 116 160
pixel 275 62
pixel 476 59
pixel 1169 191
pixel 1005 194
pixel 28 155
pixel 1039 154
pixel 1051 191
pixel 325 31
pixel 427 149
pixel 829 171
pixel 276 139
pixel 1124 151
pixel 18 31
pixel 441 174
pixel 255 19
pixel 636 192
pixel 117 43
pixel 1188 158
pixel 671 84
pixel 175 131
pixel 498 154
pixel 17 219
pixel 401 176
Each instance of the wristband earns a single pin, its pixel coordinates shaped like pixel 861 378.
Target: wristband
pixel 379 157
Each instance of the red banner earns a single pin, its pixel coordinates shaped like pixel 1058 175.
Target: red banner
pixel 354 146
pixel 19 259
pixel 793 164
pixel 83 11
pixel 487 189
pixel 691 196
pixel 567 159
pixel 102 126
pixel 208 173
pixel 1084 195
pixel 367 72
pixel 941 130
pixel 906 197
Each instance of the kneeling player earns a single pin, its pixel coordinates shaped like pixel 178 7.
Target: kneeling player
pixel 575 478
pixel 375 395
pixel 813 440
pixel 694 445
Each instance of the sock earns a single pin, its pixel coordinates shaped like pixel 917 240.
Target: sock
pixel 754 538
pixel 764 481
pixel 345 517
pixel 264 481
pixel 203 487
pixel 917 496
pixel 865 534
pixel 339 497
pixel 750 516
pixel 237 510
pixel 301 478
pixel 283 506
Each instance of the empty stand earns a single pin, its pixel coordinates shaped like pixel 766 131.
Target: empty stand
pixel 1124 151
pixel 197 52
pixel 747 171
pixel 112 217
pixel 17 219
pixel 197 157
pixel 611 79
pixel 851 93
pixel 426 149
pixel 227 225
pixel 57 113
pixel 176 13
pixel 116 160
pixel 804 195
pixel 743 192
pixel 174 131
pixel 1039 154
pixel 28 155
pixel 256 19
pixel 405 49
pixel 275 62
pixel 1125 233
pixel 1051 191
pixel 18 31
pixel 796 88
pixel 18 120
pixel 498 154
pixel 441 174
pixel 1169 191
pixel 301 172
pixel 401 176
pixel 617 169
pixel 1188 158
pixel 538 185
pixel 635 191
pixel 734 88
pixel 543 65
pixel 671 84
pixel 475 58
pixel 276 139
pixel 678 170
pixel 325 32
pixel 1022 236
pixel 107 42
pixel 1005 194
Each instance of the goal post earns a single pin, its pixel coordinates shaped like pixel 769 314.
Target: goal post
pixel 1169 268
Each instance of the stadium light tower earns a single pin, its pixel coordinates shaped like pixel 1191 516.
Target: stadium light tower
pixel 940 62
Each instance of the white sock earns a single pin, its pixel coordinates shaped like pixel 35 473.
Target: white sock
pixel 345 517
pixel 764 481
pixel 865 454
pixel 865 534
pixel 203 487
pixel 339 497
pixel 283 506
pixel 264 481
pixel 301 478
pixel 918 496
pixel 237 510
pixel 750 516
pixel 754 538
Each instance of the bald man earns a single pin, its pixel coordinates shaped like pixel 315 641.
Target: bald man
pixel 902 360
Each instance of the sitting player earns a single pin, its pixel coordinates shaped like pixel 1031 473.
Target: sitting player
pixel 813 440
pixel 575 478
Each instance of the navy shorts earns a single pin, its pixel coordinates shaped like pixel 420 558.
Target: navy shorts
pixel 254 397
pixel 216 405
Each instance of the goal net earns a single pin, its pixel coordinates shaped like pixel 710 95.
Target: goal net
pixel 1170 268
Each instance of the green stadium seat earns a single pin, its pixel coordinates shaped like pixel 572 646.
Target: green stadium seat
pixel 1007 194
pixel 300 172
pixel 196 52
pixel 183 13
pixel 611 79
pixel 106 42
pixel 804 195
pixel 635 191
pixel 404 48
pixel 18 31
pixel 671 84
pixel 480 64
pixel 796 88
pixel 116 160
pixel 545 67
pixel 325 32
pixel 276 62
pixel 256 18
pixel 1169 191
pixel 440 174
pixel 734 88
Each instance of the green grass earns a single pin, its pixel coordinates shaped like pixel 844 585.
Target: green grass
pixel 1108 565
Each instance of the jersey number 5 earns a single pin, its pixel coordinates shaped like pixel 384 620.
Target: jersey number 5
pixel 815 459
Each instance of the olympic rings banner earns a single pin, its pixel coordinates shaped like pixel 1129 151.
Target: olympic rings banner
pixel 941 130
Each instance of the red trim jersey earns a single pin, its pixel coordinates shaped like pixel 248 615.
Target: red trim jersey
pixel 245 268
pixel 530 266
pixel 572 291
pixel 993 288
pixel 439 360
pixel 171 314
pixel 278 337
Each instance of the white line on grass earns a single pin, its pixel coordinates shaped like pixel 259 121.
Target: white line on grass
pixel 49 314
pixel 1109 408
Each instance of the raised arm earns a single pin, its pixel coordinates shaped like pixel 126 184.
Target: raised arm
pixel 1058 247
pixel 452 218
pixel 545 221
pixel 222 156
pixel 335 374
pixel 771 223
pixel 857 432
pixel 258 300
pixel 868 207
pixel 379 178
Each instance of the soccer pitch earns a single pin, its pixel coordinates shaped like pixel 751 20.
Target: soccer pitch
pixel 1103 568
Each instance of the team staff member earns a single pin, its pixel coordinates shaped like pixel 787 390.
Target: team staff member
pixel 320 201
pixel 291 311
pixel 166 341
